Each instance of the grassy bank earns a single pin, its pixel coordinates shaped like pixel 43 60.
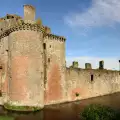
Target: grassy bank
pixel 20 108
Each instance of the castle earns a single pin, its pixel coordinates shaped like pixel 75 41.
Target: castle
pixel 33 70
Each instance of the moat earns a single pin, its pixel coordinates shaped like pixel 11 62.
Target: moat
pixel 67 111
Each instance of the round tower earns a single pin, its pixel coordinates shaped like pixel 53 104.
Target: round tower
pixel 26 82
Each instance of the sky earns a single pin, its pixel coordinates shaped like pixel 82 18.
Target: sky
pixel 91 27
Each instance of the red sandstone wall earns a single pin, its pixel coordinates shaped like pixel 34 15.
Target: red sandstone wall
pixel 54 89
pixel 26 66
pixel 55 85
pixel 79 81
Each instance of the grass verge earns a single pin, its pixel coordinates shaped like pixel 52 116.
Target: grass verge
pixel 20 108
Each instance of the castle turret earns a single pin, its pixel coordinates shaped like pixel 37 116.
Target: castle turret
pixel 29 12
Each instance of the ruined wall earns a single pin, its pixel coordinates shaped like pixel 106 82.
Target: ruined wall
pixel 87 83
pixel 26 68
pixel 55 69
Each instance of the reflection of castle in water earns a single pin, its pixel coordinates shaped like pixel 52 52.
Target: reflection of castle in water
pixel 33 69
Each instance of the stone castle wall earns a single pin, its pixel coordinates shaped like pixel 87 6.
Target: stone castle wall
pixel 26 68
pixel 3 69
pixel 26 65
pixel 87 83
pixel 55 69
pixel 33 70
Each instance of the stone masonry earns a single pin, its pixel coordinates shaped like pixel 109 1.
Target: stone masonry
pixel 33 70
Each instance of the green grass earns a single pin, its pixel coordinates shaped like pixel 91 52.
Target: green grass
pixel 6 118
pixel 21 108
pixel 99 112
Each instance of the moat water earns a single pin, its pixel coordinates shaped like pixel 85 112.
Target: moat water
pixel 67 111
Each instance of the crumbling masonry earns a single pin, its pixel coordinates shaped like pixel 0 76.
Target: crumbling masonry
pixel 33 72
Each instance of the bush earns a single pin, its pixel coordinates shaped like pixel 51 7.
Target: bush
pixel 99 112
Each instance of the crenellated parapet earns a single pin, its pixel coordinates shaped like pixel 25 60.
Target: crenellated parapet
pixel 29 25
pixel 10 16
pixel 21 25
pixel 6 23
pixel 88 66
pixel 55 37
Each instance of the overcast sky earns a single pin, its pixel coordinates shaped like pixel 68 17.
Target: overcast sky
pixel 92 27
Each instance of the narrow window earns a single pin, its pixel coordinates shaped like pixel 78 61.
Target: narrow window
pixel 0 93
pixel 91 78
pixel 50 46
pixel 44 46
pixel 48 59
pixel 1 29
pixel 0 66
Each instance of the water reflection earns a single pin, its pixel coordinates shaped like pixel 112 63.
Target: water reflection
pixel 68 111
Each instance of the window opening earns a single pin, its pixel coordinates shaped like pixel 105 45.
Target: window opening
pixel 91 78
pixel 44 45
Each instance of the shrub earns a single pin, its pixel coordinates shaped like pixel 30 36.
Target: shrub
pixel 99 112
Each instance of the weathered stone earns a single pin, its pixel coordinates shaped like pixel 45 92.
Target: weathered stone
pixel 88 66
pixel 101 64
pixel 29 12
pixel 75 64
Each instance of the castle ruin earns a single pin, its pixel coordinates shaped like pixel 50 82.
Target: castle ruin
pixel 33 70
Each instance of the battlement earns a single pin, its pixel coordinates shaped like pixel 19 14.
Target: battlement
pixel 90 71
pixel 88 66
pixel 25 25
pixel 8 21
pixel 54 37
pixel 12 22
pixel 97 69
pixel 21 25
pixel 10 16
